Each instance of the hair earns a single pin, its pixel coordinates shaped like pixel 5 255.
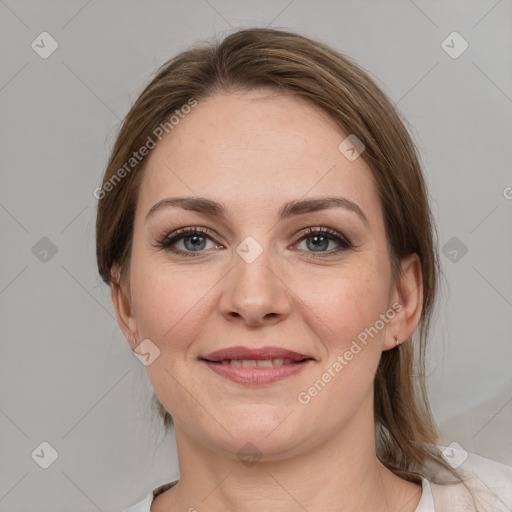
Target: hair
pixel 258 58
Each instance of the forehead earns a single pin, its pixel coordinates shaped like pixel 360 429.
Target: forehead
pixel 248 147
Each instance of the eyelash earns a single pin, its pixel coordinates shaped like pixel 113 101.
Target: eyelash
pixel 169 240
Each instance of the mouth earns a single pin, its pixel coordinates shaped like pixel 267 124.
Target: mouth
pixel 256 366
pixel 257 363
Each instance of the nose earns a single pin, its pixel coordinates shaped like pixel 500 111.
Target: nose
pixel 255 293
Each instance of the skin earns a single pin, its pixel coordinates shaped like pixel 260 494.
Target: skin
pixel 254 151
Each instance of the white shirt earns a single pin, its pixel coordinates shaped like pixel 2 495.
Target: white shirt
pixel 490 482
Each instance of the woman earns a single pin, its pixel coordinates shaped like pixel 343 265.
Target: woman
pixel 264 226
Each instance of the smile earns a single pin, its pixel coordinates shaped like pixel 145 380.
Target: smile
pixel 257 372
pixel 260 363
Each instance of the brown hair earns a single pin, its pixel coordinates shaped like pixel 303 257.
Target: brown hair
pixel 406 432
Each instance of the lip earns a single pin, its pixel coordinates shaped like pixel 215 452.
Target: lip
pixel 256 375
pixel 254 353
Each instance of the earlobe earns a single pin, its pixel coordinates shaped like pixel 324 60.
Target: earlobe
pixel 124 311
pixel 409 294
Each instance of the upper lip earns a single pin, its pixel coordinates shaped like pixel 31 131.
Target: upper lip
pixel 254 354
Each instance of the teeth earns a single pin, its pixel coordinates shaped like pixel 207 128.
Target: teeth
pixel 260 363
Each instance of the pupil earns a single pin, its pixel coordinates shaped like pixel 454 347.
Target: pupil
pixel 322 242
pixel 195 244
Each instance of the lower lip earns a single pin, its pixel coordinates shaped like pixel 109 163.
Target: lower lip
pixel 257 375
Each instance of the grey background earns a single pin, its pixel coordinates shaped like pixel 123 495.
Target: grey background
pixel 68 376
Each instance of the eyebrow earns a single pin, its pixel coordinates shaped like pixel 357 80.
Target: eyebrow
pixel 289 209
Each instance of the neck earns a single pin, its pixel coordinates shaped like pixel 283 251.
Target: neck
pixel 340 474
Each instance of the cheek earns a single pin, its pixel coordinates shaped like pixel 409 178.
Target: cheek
pixel 347 302
pixel 168 303
pixel 346 313
pixel 169 309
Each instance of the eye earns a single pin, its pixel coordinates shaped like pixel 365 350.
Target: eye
pixel 193 240
pixel 320 240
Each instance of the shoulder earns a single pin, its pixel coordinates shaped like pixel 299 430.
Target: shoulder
pixel 145 504
pixel 487 485
pixel 142 506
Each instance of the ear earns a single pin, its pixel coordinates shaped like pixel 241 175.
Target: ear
pixel 408 294
pixel 124 309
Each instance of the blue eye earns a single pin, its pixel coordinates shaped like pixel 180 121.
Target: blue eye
pixel 195 240
pixel 322 237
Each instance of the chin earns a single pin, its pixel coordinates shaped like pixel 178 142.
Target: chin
pixel 248 447
pixel 267 438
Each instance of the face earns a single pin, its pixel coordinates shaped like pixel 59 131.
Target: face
pixel 310 281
